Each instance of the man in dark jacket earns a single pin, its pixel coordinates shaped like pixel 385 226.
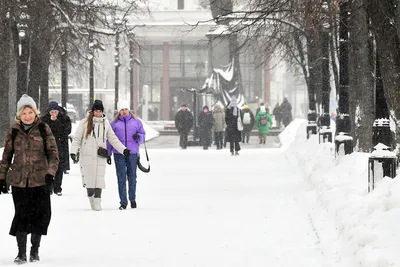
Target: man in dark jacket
pixel 183 123
pixel 60 124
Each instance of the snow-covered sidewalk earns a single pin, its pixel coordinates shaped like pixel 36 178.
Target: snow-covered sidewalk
pixel 195 208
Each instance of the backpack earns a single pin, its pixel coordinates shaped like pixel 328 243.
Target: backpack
pixel 263 119
pixel 42 130
pixel 246 118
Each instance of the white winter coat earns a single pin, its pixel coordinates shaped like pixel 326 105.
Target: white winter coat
pixel 93 167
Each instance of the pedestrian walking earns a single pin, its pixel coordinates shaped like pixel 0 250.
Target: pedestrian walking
pixel 60 124
pixel 32 149
pixel 183 123
pixel 206 122
pixel 278 115
pixel 248 123
pixel 219 125
pixel 90 142
pixel 233 134
pixel 129 130
pixel 286 111
pixel 263 123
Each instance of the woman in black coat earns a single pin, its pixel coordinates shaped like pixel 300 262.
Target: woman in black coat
pixel 233 135
pixel 60 124
pixel 206 122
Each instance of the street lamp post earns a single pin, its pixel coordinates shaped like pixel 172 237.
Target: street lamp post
pixel 64 74
pixel 343 124
pixel 23 49
pixel 91 69
pixel 116 65
pixel 325 120
pixel 93 45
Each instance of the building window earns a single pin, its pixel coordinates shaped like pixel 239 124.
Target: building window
pixel 181 4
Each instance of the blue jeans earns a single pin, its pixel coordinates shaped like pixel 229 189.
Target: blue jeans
pixel 126 170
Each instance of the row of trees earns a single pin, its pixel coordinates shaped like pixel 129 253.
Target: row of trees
pixel 354 43
pixel 36 34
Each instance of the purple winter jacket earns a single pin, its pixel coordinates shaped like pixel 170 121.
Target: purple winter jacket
pixel 124 128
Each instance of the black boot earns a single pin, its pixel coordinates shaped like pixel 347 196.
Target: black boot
pixel 21 241
pixel 35 240
pixel 133 204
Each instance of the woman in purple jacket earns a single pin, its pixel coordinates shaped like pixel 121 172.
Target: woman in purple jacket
pixel 130 132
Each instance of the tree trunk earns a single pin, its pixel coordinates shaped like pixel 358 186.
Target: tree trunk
pixel 361 95
pixel 382 15
pixel 5 58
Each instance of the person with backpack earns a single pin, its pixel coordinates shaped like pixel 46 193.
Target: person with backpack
pixel 90 142
pixel 31 149
pixel 248 123
pixel 129 130
pixel 263 123
pixel 60 124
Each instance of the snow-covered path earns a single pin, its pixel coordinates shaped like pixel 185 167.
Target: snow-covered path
pixel 195 208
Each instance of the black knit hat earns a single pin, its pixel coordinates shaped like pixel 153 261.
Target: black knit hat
pixel 98 105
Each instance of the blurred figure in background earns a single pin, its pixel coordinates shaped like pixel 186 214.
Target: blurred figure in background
pixel 233 135
pixel 263 123
pixel 60 125
pixel 286 111
pixel 206 122
pixel 248 123
pixel 183 123
pixel 278 115
pixel 219 125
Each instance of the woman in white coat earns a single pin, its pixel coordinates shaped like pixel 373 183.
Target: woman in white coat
pixel 92 133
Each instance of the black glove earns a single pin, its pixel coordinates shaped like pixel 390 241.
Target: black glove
pixel 3 187
pixel 75 158
pixel 136 136
pixel 109 160
pixel 49 182
pixel 127 152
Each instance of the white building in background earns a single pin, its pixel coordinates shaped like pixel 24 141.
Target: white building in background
pixel 174 52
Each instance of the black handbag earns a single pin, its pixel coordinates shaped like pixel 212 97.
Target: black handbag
pixel 102 152
pixel 140 166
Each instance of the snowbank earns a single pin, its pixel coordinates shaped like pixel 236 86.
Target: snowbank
pixel 368 223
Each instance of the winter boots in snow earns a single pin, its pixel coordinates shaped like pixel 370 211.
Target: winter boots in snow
pixel 91 201
pixel 35 240
pixel 21 241
pixel 97 203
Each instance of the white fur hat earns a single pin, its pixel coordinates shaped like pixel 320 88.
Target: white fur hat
pixel 26 100
pixel 122 104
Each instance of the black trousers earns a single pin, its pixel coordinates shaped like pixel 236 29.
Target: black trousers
pixel 245 136
pixel 234 146
pixel 94 191
pixel 183 139
pixel 219 136
pixel 58 181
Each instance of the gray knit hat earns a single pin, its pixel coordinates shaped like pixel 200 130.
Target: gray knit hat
pixel 26 100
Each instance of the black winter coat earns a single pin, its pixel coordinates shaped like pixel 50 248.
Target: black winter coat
pixel 232 132
pixel 61 129
pixel 183 121
pixel 206 122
